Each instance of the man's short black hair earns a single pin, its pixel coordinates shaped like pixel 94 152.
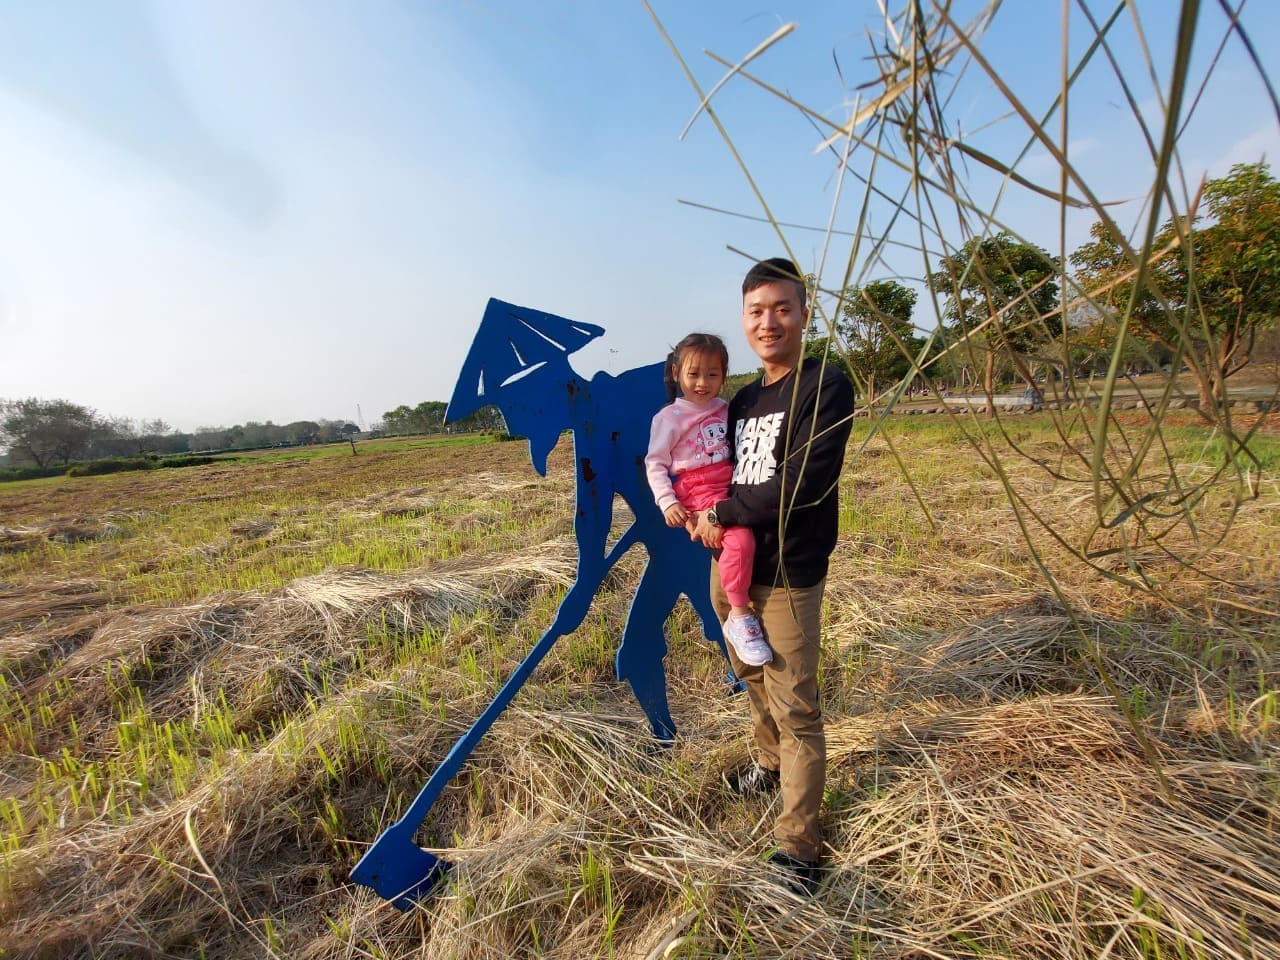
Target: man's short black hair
pixel 772 270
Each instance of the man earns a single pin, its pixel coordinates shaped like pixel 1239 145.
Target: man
pixel 789 428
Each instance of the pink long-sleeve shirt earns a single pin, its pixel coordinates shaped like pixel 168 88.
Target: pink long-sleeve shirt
pixel 684 436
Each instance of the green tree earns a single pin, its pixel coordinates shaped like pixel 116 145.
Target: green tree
pixel 1093 343
pixel 45 432
pixel 396 422
pixel 329 431
pixel 875 328
pixel 1211 285
pixel 156 436
pixel 1001 301
pixel 487 419
pixel 428 416
pixel 211 438
pixel 253 435
pixel 301 431
pixel 114 437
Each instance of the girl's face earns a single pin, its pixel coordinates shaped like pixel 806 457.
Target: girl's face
pixel 700 377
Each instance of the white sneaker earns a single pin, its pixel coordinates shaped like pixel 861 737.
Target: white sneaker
pixel 747 639
pixel 752 780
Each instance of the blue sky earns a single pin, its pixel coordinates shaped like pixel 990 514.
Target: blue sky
pixel 216 212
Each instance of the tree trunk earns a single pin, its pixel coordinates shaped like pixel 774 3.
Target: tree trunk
pixel 989 383
pixel 1212 381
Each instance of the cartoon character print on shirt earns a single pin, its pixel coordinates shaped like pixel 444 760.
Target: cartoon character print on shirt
pixel 755 440
pixel 709 444
pixel 714 436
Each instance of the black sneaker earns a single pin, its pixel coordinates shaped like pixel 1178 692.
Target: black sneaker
pixel 752 781
pixel 799 876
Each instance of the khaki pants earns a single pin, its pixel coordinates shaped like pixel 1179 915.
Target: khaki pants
pixel 785 712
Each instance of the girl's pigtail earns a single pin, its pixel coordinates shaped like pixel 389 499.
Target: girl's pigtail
pixel 669 375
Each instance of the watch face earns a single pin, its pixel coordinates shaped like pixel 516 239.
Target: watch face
pixel 712 518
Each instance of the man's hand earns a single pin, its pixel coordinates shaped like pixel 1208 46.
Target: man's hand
pixel 676 516
pixel 708 535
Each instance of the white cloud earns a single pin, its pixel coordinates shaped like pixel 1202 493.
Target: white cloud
pixel 1262 144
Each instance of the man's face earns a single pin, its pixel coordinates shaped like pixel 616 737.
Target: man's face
pixel 774 323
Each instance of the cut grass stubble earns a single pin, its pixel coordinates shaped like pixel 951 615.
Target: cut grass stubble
pixel 201 777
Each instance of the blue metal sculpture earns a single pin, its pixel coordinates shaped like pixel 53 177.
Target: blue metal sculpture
pixel 519 361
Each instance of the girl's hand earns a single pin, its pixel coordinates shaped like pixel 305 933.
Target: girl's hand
pixel 676 515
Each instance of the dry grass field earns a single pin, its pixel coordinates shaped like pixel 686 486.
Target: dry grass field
pixel 1047 738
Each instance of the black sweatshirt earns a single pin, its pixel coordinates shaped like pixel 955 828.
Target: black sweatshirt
pixel 788 451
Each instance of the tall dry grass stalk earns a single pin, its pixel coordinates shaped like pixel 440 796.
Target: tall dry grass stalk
pixel 921 174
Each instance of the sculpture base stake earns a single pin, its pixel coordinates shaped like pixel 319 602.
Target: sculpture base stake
pixel 399 870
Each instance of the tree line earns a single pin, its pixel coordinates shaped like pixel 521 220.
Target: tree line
pixel 428 417
pixel 48 433
pixel 1203 299
pixel 56 433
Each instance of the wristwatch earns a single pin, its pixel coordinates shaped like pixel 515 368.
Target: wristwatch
pixel 712 518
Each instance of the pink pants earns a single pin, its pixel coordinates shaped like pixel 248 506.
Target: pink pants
pixel 701 489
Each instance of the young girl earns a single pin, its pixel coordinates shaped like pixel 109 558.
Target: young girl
pixel 689 441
